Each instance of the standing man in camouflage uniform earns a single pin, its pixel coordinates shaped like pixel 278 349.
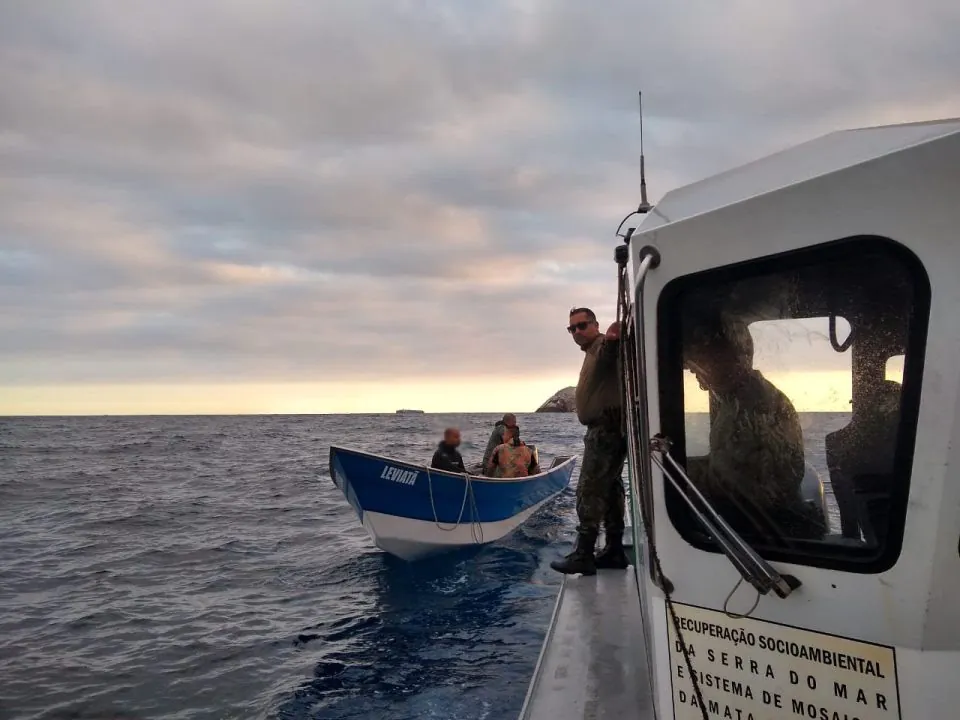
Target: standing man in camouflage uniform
pixel 600 496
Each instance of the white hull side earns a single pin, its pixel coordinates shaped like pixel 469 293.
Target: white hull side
pixel 417 539
pixel 925 681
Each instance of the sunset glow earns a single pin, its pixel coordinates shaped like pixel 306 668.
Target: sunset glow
pixel 810 392
pixel 484 394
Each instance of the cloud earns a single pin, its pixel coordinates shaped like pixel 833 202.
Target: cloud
pixel 290 190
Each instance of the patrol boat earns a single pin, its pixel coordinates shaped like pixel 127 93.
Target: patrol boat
pixel 841 257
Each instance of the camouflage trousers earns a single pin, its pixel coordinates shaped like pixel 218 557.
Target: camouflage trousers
pixel 600 496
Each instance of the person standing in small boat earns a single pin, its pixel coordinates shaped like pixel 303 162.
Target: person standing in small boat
pixel 447 457
pixel 496 436
pixel 512 458
pixel 600 495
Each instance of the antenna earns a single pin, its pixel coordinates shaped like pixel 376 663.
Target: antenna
pixel 644 206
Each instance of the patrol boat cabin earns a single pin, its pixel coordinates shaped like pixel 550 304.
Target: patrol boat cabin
pixel 798 312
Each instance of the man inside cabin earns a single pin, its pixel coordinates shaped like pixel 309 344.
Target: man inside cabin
pixel 512 458
pixel 447 457
pixel 600 495
pixel 496 436
pixel 755 467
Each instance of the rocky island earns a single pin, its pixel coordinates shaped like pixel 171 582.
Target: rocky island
pixel 561 401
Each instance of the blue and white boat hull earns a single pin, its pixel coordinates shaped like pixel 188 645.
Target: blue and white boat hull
pixel 412 511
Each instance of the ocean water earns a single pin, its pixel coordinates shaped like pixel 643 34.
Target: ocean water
pixel 206 567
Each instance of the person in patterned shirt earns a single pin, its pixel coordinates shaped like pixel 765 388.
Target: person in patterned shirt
pixel 512 458
pixel 496 436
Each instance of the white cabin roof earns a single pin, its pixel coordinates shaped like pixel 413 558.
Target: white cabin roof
pixel 825 155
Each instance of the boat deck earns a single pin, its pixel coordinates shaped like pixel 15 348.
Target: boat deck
pixel 593 664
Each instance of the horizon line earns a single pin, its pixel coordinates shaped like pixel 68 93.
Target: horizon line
pixel 322 414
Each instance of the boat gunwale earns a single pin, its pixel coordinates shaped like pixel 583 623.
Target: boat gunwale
pixel 544 646
pixel 446 473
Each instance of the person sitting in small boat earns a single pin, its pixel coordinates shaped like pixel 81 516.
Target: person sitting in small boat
pixel 447 457
pixel 496 437
pixel 512 458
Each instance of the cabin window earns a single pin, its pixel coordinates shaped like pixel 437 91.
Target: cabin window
pixel 895 369
pixel 790 389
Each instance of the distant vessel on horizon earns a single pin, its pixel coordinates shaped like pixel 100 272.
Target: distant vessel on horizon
pixel 410 412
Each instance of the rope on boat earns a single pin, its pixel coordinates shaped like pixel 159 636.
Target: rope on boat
pixel 476 529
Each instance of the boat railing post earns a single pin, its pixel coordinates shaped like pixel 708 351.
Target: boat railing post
pixel 649 260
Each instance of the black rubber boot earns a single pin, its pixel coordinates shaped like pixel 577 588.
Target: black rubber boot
pixel 580 561
pixel 612 557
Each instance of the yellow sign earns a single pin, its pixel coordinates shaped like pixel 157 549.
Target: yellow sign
pixel 756 670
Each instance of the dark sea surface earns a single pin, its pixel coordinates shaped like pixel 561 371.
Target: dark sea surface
pixel 206 567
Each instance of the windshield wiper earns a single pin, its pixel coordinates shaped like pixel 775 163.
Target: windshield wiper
pixel 752 568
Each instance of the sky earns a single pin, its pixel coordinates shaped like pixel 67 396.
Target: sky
pixel 299 206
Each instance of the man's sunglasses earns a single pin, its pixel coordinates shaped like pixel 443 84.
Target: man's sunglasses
pixel 579 326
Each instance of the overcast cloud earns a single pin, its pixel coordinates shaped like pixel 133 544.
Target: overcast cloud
pixel 301 190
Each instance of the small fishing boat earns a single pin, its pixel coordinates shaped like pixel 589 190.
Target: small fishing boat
pixel 413 511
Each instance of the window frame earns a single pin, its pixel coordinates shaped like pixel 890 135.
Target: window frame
pixel 850 558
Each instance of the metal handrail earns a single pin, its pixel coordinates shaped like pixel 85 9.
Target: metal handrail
pixel 633 372
pixel 650 260
pixel 713 530
pixel 753 568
